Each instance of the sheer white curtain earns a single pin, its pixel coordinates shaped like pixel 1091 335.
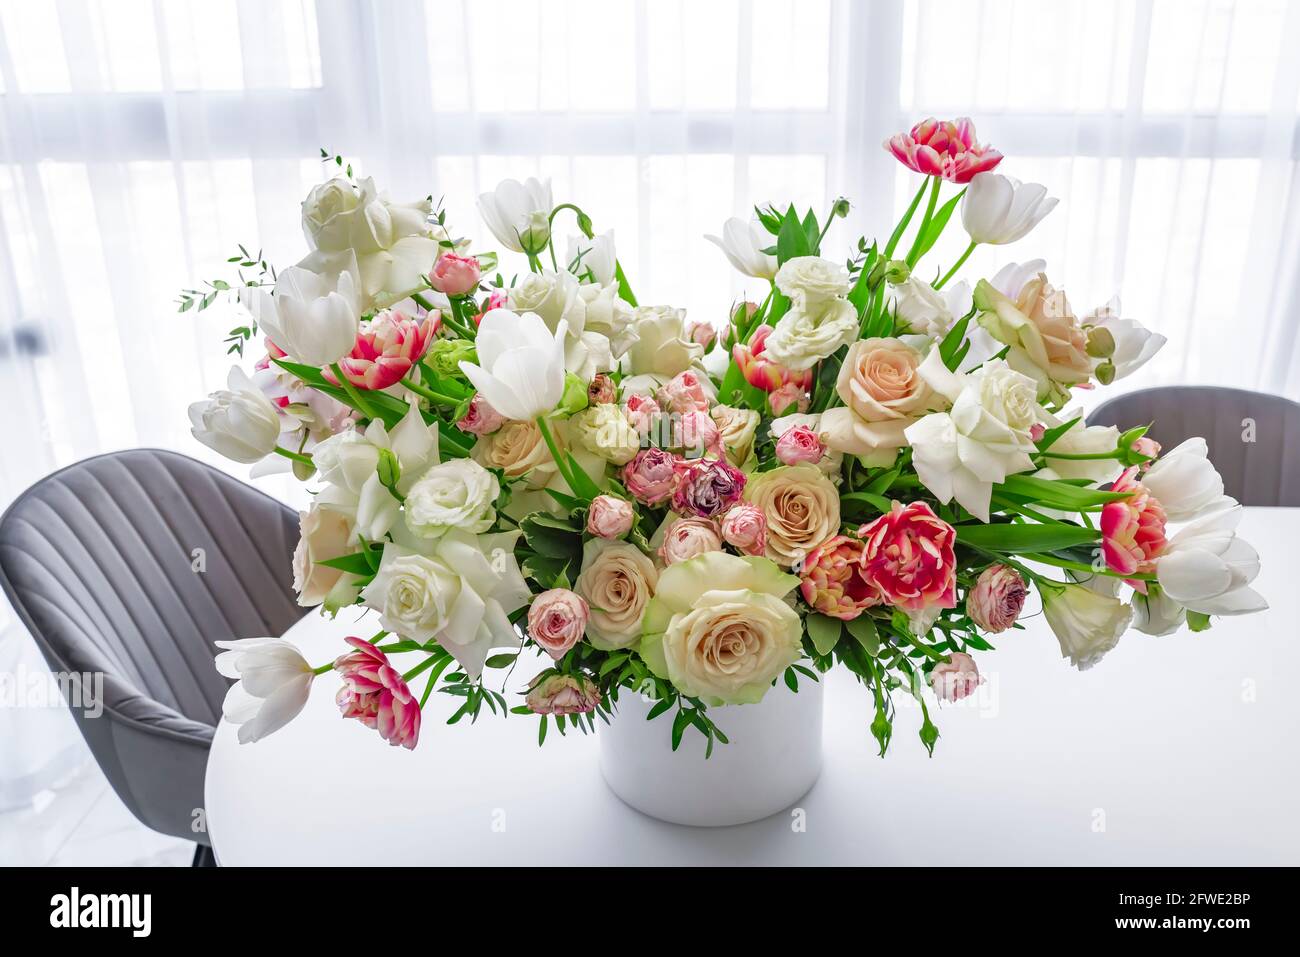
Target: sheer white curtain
pixel 141 139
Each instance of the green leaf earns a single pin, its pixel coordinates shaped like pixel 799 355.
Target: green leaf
pixel 1058 494
pixel 861 290
pixel 863 629
pixel 586 488
pixel 552 537
pixel 792 240
pixel 1197 621
pixel 541 731
pixel 357 563
pixel 824 631
pixel 1054 433
pixel 951 348
pixel 936 226
pixel 659 708
pixel 791 680
pixel 879 502
pixel 1025 538
pixel 500 661
pixel 680 722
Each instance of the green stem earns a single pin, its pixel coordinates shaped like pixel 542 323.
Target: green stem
pixel 757 319
pixel 555 454
pixel 361 404
pixel 902 223
pixel 957 265
pixel 914 253
pixel 534 264
pixel 429 394
pixel 1080 456
pixel 1081 567
pixel 295 456
pixel 425 665
pixel 460 325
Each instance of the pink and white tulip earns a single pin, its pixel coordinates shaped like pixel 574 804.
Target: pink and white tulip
pixel 386 350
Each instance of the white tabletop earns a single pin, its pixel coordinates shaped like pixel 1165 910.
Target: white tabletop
pixel 1177 750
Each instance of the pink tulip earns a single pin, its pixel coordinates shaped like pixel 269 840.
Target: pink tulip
pixel 909 556
pixel 454 275
pixel 386 349
pixel 1132 529
pixel 948 150
pixel 377 695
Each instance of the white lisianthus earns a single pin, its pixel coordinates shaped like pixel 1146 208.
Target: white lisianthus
pixel 1135 344
pixel 998 209
pixel 274 682
pixel 311 316
pixel 743 244
pixel 458 493
pixel 1086 622
pixel 239 421
pixel 592 260
pixel 519 214
pixel 1155 613
pixel 927 311
pixel 986 436
pixel 1081 439
pixel 662 347
pixel 460 590
pixel 1185 481
pixel 557 297
pixel 1206 568
pixel 520 369
pixel 802 338
pixel 811 280
pixel 609 315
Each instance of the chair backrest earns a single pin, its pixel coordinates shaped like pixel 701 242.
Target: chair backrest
pixel 1253 437
pixel 129 566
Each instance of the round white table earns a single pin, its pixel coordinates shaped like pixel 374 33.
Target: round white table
pixel 1172 751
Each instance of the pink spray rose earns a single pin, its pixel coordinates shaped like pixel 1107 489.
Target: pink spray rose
pixel 562 694
pixel 601 391
pixel 376 694
pixel 995 602
pixel 609 517
pixel 697 433
pixel 1132 529
pixel 955 678
pixel 947 149
pixel 703 334
pixel 835 581
pixel 707 488
pixel 791 397
pixel 454 275
pixel 909 557
pixel 799 444
pixel 641 411
pixel 557 619
pixel 481 419
pixel 497 299
pixel 386 349
pixel 744 528
pixel 651 476
pixel 688 537
pixel 683 393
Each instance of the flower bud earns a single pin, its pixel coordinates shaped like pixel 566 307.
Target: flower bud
pixel 841 207
pixel 1101 343
pixel 574 399
pixel 1105 372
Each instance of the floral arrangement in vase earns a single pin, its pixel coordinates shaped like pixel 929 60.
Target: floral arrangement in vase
pixel 860 468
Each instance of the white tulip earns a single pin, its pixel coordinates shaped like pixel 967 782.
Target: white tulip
pixel 520 370
pixel 519 214
pixel 1086 622
pixel 239 421
pixel 927 311
pixel 274 682
pixel 998 209
pixel 1185 481
pixel 558 297
pixel 592 259
pixel 1155 613
pixel 1206 568
pixel 1135 344
pixel 313 317
pixel 743 243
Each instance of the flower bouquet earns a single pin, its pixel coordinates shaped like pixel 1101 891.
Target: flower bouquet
pixel 860 468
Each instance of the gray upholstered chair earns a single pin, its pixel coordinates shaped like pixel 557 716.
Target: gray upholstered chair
pixel 131 565
pixel 1259 459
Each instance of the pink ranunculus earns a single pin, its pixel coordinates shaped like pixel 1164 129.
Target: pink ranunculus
pixel 744 528
pixel 683 393
pixel 791 397
pixel 641 412
pixel 454 275
pixel 799 444
pixel 688 537
pixel 386 349
pixel 946 149
pixel 835 581
pixel 609 517
pixel 761 372
pixel 651 476
pixel 557 619
pixel 955 678
pixel 697 433
pixel 909 557
pixel 376 694
pixel 481 419
pixel 1132 529
pixel 602 390
pixel 997 598
pixel 706 488
pixel 558 694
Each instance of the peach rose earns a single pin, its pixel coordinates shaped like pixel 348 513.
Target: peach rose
pixel 517 449
pixel 688 537
pixel 1047 341
pixel 883 394
pixel 324 535
pixel 801 506
pixel 556 620
pixel 617 580
pixel 609 517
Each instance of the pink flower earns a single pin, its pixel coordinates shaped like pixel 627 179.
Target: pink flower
pixel 651 476
pixel 697 433
pixel 386 349
pixel 557 619
pixel 744 528
pixel 835 581
pixel 562 694
pixel 609 517
pixel 683 393
pixel 481 419
pixel 1145 445
pixel 376 694
pixel 707 488
pixel 763 373
pixel 601 391
pixel 703 334
pixel 641 411
pixel 1132 529
pixel 789 396
pixel 946 149
pixel 688 537
pixel 454 275
pixel 955 678
pixel 997 598
pixel 909 557
pixel 497 299
pixel 799 444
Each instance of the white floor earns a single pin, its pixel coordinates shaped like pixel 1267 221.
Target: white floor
pixel 83 823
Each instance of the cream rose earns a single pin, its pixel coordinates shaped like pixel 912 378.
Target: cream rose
pixel 801 506
pixel 517 449
pixel 459 493
pixel 720 629
pixel 618 580
pixel 1047 341
pixel 324 535
pixel 737 428
pixel 883 394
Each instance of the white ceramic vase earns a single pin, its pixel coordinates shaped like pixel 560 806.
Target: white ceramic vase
pixel 772 760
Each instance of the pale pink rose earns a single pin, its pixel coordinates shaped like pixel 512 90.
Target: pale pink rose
pixel 955 678
pixel 706 488
pixel 688 537
pixel 558 694
pixel 651 476
pixel 799 444
pixel 609 517
pixel 697 433
pixel 997 598
pixel 557 619
pixel 683 393
pixel 481 419
pixel 883 394
pixel 909 557
pixel 641 411
pixel 454 275
pixel 703 334
pixel 601 391
pixel 790 397
pixel 375 694
pixel 744 528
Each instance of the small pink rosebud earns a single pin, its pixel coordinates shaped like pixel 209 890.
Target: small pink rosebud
pixel 790 397
pixel 454 275
pixel 955 678
pixel 481 419
pixel 683 393
pixel 641 412
pixel 703 334
pixel 799 444
pixel 688 537
pixel 609 517
pixel 558 694
pixel 997 598
pixel 1037 431
pixel 601 391
pixel 744 528
pixel 557 620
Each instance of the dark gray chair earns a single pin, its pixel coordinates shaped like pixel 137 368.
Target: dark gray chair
pixel 101 562
pixel 1259 459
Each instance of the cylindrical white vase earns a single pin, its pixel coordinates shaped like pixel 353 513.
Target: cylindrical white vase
pixel 772 760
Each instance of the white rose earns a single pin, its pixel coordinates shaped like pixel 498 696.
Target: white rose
pixel 737 428
pixel 1086 623
pixel 809 280
pixel 239 421
pixel 802 338
pixel 663 347
pixel 617 580
pixel 609 315
pixel 456 494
